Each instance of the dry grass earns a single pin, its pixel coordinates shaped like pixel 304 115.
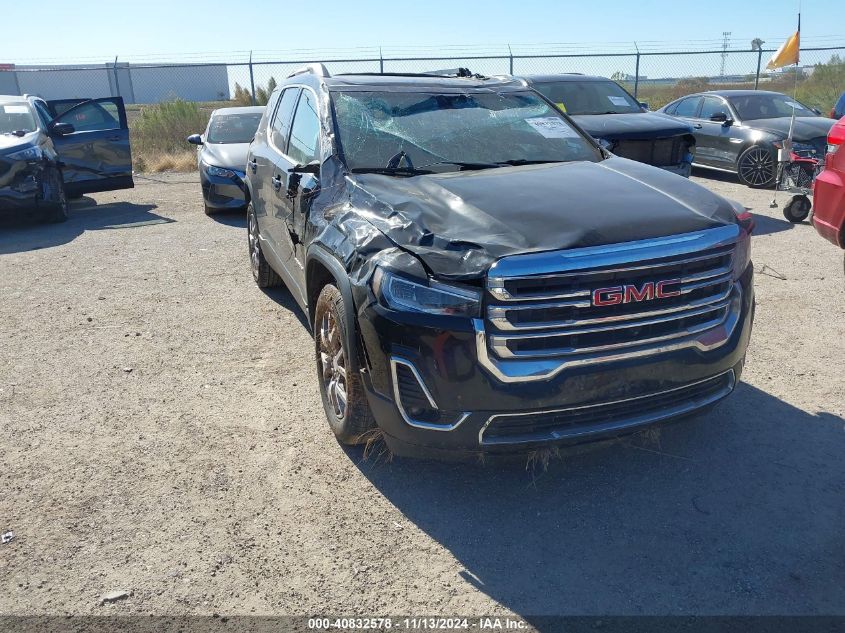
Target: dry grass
pixel 166 161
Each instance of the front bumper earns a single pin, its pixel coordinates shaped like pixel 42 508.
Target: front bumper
pixel 682 169
pixel 22 190
pixel 223 193
pixel 472 400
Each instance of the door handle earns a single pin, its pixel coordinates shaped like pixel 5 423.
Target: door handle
pixel 114 138
pixel 697 126
pixel 277 183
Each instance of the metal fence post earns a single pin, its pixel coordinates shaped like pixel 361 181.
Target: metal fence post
pixel 251 79
pixel 510 58
pixel 637 76
pixel 380 61
pixel 116 79
pixel 759 61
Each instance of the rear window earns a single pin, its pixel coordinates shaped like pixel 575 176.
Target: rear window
pixel 589 97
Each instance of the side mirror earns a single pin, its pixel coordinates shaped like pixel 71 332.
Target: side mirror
pixel 312 168
pixel 195 139
pixel 721 117
pixel 644 105
pixel 62 129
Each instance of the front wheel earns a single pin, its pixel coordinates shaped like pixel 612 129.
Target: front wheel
pixel 53 189
pixel 342 391
pixel 756 167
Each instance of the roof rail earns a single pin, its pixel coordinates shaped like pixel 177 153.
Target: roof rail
pixel 314 69
pixel 451 72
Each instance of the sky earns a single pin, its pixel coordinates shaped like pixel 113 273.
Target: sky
pixel 94 30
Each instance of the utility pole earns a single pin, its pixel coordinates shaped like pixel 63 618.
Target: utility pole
pixel 726 35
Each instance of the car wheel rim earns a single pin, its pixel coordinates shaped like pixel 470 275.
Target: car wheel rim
pixel 254 247
pixel 333 364
pixel 756 167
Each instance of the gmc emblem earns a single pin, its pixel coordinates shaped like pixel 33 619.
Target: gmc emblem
pixel 630 293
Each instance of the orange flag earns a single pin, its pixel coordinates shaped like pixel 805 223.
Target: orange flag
pixel 789 51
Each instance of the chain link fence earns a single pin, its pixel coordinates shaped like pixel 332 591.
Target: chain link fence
pixel 654 77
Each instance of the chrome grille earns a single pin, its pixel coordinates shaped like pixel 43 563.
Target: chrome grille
pixel 540 306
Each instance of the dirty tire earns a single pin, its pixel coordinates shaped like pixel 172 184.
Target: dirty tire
pixel 59 210
pixel 797 209
pixel 341 390
pixel 263 275
pixel 756 167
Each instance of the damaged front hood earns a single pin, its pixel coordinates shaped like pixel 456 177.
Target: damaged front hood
pixel 633 125
pixel 460 223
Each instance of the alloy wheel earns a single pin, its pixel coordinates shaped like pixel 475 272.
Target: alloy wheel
pixel 757 167
pixel 333 364
pixel 254 246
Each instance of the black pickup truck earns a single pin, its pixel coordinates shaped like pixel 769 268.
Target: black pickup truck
pixel 480 275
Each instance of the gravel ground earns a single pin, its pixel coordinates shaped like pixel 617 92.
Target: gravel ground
pixel 163 435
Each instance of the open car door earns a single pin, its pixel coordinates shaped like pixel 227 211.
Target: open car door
pixel 95 154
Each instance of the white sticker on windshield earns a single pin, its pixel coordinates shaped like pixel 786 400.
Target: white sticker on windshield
pixel 552 127
pixel 15 109
pixel 620 101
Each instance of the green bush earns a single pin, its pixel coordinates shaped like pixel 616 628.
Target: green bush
pixel 243 97
pixel 162 128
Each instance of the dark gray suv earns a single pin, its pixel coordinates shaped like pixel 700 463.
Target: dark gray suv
pixel 480 275
pixel 54 150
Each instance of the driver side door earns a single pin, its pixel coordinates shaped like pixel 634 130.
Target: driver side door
pixel 96 156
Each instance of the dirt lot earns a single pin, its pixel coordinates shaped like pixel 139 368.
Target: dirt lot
pixel 163 435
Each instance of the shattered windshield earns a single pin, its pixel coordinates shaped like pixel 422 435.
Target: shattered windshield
pixel 16 117
pixel 449 132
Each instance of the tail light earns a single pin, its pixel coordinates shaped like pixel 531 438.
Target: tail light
pixel 835 138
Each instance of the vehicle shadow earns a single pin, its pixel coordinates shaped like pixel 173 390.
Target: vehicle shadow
pixel 17 236
pixel 230 218
pixel 765 225
pixel 282 296
pixel 736 512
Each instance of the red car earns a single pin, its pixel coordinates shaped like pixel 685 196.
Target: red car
pixel 829 189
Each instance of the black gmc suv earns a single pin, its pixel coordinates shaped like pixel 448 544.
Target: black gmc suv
pixel 480 275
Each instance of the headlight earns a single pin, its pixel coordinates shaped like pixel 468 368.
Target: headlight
pixel 30 153
pixel 742 253
pixel 434 297
pixel 211 170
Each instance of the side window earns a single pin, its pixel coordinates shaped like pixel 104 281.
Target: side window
pixel 711 106
pixel 687 107
pixel 280 126
pixel 92 117
pixel 305 131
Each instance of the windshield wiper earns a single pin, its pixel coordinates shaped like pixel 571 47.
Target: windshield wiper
pixel 18 133
pixel 523 161
pixel 493 165
pixel 391 171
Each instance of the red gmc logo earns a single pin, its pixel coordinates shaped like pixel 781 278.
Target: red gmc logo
pixel 630 293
